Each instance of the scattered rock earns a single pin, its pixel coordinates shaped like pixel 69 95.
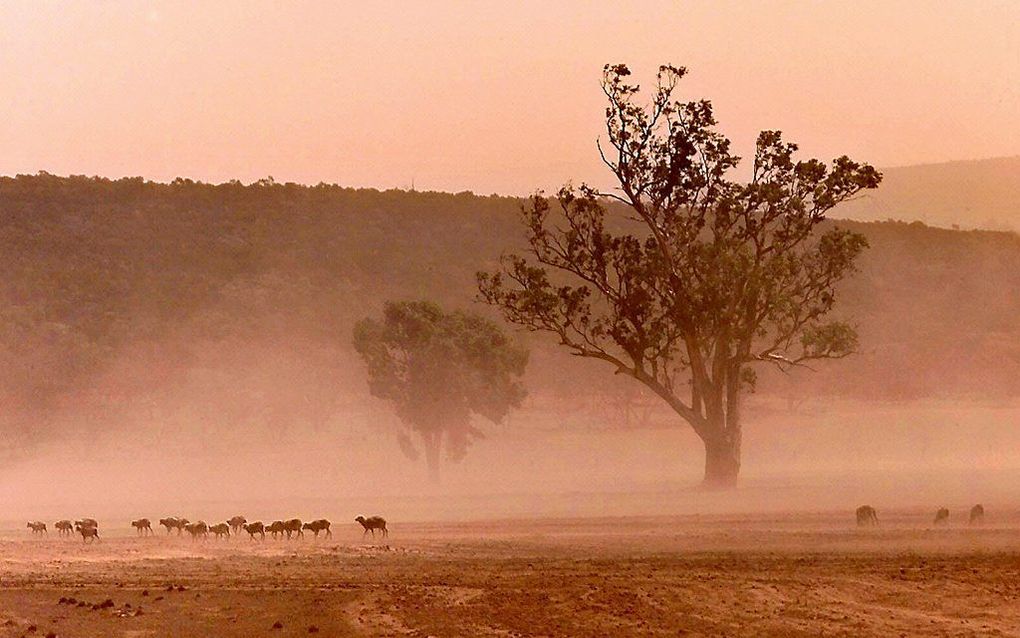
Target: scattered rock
pixel 277 625
pixel 145 592
pixel 313 629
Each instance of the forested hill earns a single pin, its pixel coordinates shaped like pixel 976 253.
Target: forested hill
pixel 125 292
pixel 969 194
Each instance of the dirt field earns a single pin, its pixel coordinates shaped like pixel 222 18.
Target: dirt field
pixel 805 575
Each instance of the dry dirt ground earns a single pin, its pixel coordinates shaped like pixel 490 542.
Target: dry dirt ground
pixel 722 576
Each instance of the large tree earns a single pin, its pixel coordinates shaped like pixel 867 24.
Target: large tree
pixel 438 369
pixel 682 277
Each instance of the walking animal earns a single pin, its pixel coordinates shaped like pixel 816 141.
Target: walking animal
pixel 143 526
pixel 866 516
pixel 293 526
pixel 977 514
pixel 255 528
pixel 197 530
pixel 941 516
pixel 276 527
pixel 89 533
pixel 170 524
pixel 236 523
pixel 320 525
pixel 64 527
pixel 373 523
pixel 222 530
pixel 37 527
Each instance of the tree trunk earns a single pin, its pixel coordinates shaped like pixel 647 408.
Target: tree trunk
pixel 722 462
pixel 433 443
pixel 723 436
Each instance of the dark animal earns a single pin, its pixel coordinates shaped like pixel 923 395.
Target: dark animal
pixel 222 530
pixel 64 527
pixel 866 515
pixel 170 523
pixel 320 525
pixel 236 523
pixel 143 526
pixel 373 523
pixel 276 527
pixel 255 528
pixel 941 516
pixel 977 514
pixel 293 526
pixel 89 533
pixel 37 527
pixel 197 530
pixel 86 522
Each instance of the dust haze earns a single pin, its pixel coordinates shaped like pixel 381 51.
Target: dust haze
pixel 190 450
pixel 537 319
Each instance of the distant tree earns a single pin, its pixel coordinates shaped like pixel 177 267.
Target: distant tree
pixel 438 369
pixel 717 275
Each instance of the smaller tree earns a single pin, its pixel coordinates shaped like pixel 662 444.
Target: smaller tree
pixel 439 369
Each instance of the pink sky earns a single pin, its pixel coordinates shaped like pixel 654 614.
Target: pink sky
pixel 475 96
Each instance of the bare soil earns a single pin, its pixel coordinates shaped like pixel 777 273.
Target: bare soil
pixel 793 575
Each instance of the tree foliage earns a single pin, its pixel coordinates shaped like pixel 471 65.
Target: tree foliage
pixel 438 369
pixel 715 275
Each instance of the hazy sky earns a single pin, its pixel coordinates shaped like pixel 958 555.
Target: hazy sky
pixel 483 96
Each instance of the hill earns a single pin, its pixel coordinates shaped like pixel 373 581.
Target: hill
pixel 190 302
pixel 969 194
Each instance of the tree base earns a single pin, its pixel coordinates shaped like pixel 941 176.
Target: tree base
pixel 719 483
pixel 722 466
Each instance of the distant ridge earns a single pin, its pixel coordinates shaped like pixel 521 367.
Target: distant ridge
pixel 982 193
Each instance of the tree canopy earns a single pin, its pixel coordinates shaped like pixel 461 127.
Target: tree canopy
pixel 438 369
pixel 715 275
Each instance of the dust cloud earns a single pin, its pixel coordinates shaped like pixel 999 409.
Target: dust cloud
pixel 195 452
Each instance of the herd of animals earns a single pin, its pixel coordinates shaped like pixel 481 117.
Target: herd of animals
pixel 867 516
pixel 293 528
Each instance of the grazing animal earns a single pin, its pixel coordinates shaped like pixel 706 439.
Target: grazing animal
pixel 236 523
pixel 64 527
pixel 143 526
pixel 255 528
pixel 373 523
pixel 941 516
pixel 89 533
pixel 977 514
pixel 293 526
pixel 276 527
pixel 320 525
pixel 197 530
pixel 38 527
pixel 222 530
pixel 866 515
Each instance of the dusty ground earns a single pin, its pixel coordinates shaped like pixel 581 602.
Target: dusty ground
pixel 720 576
